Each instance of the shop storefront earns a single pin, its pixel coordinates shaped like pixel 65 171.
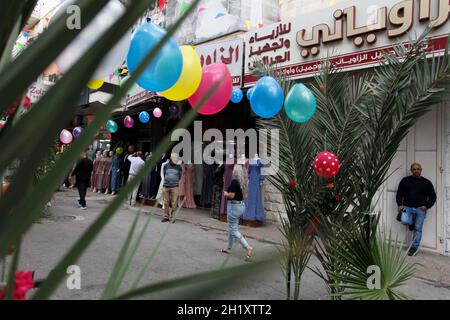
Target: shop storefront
pixel 354 35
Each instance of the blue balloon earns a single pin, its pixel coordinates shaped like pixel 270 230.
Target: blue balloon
pixel 144 117
pixel 267 97
pixel 249 93
pixel 165 69
pixel 300 104
pixel 236 95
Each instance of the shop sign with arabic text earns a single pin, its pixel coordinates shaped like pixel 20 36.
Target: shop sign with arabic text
pixel 352 34
pixel 230 52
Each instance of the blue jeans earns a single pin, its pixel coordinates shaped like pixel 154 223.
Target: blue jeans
pixel 234 212
pixel 416 217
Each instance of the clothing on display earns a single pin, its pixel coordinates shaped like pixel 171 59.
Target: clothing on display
pixel 100 174
pixel 146 184
pixel 198 179
pixel 207 185
pixel 159 195
pixel 182 183
pixel 156 179
pixel 125 168
pixel 188 186
pixel 94 172
pixel 90 154
pixel 254 204
pixel 217 193
pixel 116 178
pixel 106 183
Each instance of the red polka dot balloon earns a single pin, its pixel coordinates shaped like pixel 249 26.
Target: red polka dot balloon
pixel 326 164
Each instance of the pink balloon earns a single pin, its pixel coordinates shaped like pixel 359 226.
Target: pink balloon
pixel 65 136
pixel 219 99
pixel 128 122
pixel 157 113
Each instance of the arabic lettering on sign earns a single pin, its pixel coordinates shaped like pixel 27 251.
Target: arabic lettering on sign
pixel 271 46
pixel 350 61
pixel 236 80
pixel 141 96
pixel 399 18
pixel 226 56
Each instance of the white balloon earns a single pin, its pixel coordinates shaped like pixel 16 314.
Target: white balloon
pixel 92 33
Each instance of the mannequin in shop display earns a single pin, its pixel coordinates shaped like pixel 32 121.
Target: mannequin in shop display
pixel 126 167
pixel 156 179
pixel 101 172
pixel 198 182
pixel 255 208
pixel 217 194
pixel 159 196
pixel 116 177
pixel 228 172
pixel 207 185
pixel 107 172
pixel 91 153
pixel 94 178
pixel 147 181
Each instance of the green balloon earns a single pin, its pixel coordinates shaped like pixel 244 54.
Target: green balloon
pixel 300 103
pixel 112 126
pixel 183 8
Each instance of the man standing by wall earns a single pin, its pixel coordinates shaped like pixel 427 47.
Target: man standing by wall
pixel 172 176
pixel 136 163
pixel 82 172
pixel 415 195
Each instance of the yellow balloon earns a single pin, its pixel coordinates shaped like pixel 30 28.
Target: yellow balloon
pixel 190 77
pixel 95 84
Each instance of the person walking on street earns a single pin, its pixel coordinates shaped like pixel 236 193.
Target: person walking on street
pixel 136 163
pixel 236 194
pixel 415 195
pixel 172 175
pixel 82 172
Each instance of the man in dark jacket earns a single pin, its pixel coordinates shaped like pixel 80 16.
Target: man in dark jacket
pixel 82 172
pixel 415 195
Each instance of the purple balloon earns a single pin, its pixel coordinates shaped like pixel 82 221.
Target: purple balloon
pixel 76 132
pixel 173 109
pixel 128 122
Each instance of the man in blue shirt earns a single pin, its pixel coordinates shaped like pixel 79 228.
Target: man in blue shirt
pixel 172 176
pixel 415 195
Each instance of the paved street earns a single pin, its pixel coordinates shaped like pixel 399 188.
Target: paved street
pixel 188 248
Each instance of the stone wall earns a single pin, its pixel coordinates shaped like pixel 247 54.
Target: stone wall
pixel 273 203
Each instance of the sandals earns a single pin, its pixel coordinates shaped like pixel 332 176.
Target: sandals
pixel 249 253
pixel 225 251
